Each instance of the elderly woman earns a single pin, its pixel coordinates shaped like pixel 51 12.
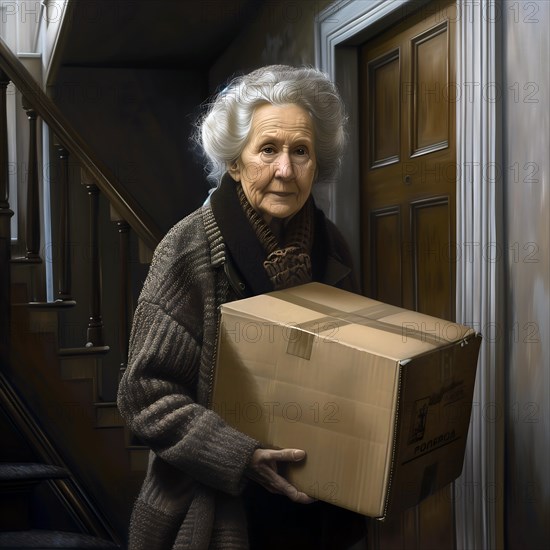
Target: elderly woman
pixel 268 137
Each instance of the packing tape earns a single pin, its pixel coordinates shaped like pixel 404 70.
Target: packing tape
pixel 367 316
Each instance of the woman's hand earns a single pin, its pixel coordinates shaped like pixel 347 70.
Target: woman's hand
pixel 263 470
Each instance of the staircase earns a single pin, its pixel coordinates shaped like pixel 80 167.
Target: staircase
pixel 69 469
pixel 33 494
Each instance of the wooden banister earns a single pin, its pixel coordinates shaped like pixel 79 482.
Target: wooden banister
pixel 106 181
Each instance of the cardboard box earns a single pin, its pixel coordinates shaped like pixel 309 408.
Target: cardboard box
pixel 378 396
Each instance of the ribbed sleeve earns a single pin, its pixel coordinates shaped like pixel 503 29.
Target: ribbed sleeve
pixel 158 392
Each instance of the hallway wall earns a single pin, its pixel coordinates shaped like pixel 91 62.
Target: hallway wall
pixel 139 121
pixel 282 33
pixel 526 172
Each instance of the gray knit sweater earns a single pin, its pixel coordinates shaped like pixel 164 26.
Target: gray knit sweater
pixel 190 495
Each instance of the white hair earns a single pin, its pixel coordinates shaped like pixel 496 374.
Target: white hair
pixel 223 130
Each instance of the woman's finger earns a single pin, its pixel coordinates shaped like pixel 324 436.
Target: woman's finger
pixel 278 484
pixel 286 455
pixel 263 470
pixel 293 494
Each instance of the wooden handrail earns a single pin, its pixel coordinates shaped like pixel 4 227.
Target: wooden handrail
pixel 116 194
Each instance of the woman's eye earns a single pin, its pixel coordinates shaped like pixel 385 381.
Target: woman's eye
pixel 301 151
pixel 268 150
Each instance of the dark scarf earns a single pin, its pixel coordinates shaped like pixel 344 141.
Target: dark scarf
pixel 261 260
pixel 288 261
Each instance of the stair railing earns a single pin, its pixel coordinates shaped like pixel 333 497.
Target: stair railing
pixel 99 179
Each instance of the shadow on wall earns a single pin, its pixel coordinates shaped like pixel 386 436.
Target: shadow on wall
pixel 139 121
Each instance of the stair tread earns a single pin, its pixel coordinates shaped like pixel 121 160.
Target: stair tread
pixel 40 539
pixel 58 304
pixel 30 471
pixel 25 260
pixel 83 351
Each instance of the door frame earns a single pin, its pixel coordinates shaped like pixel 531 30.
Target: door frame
pixel 478 494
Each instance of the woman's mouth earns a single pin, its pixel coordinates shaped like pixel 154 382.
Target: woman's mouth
pixel 282 194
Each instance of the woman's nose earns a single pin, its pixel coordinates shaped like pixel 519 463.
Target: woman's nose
pixel 284 169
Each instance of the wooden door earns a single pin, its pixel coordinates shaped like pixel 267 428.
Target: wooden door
pixel 408 204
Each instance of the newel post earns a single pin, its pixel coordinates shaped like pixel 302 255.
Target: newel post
pixel 5 230
pixel 4 164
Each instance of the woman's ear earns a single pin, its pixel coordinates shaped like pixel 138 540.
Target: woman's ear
pixel 234 170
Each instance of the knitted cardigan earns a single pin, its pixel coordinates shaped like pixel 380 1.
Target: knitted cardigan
pixel 190 495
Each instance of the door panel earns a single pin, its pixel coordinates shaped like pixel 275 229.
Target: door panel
pixel 385 230
pixel 430 70
pixel 430 223
pixel 408 205
pixel 385 110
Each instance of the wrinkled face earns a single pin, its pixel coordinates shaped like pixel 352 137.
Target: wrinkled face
pixel 277 165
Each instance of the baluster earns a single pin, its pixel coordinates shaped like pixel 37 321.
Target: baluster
pixel 4 173
pixel 32 232
pixel 125 291
pixel 95 326
pixel 5 230
pixel 64 280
